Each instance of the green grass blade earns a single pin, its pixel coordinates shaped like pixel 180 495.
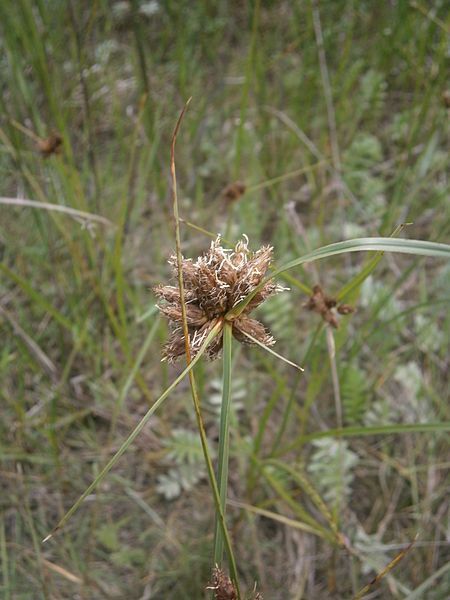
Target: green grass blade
pixel 418 247
pixel 277 517
pixel 284 494
pixel 132 374
pixel 194 391
pixel 36 296
pixel 365 431
pixel 133 435
pixel 309 489
pixel 356 281
pixel 224 439
pixel 419 592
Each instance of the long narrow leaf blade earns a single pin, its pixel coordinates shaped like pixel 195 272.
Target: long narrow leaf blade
pixel 224 440
pixel 133 435
pixel 418 247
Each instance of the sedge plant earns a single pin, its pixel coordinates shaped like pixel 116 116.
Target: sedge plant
pixel 212 304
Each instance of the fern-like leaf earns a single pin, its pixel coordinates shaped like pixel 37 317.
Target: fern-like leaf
pixel 331 467
pixel 355 394
pixel 277 314
pixel 184 447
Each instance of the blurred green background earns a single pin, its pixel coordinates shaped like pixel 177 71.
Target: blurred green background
pixel 334 116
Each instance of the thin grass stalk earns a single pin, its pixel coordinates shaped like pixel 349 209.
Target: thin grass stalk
pixel 280 178
pixel 5 563
pixel 126 208
pixel 292 502
pixel 307 487
pixel 275 517
pixel 206 454
pixel 80 215
pixel 357 431
pixel 393 563
pixel 224 439
pixel 331 347
pixel 357 281
pixel 131 377
pixel 86 103
pixel 292 396
pixel 327 89
pixel 133 435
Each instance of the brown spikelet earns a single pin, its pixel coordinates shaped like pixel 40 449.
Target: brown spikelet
pixel 345 309
pixel 233 191
pixel 446 98
pixel 326 306
pixel 50 145
pixel 222 585
pixel 214 284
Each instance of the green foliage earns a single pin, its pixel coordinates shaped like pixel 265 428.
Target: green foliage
pixel 184 447
pixel 373 91
pixel 182 478
pixel 429 337
pixel 79 370
pixel 374 293
pixel 185 451
pixel 107 535
pixel 331 466
pixel 363 154
pixel 238 393
pixel 354 393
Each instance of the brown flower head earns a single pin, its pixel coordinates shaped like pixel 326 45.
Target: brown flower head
pixel 234 191
pixel 50 145
pixel 214 284
pixel 325 306
pixel 222 585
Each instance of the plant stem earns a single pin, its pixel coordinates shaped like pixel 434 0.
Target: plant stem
pixel 224 439
pixel 220 518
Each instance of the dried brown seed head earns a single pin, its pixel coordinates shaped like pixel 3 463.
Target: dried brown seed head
pixel 345 309
pixel 215 283
pixel 324 305
pixel 234 191
pixel 50 145
pixel 222 585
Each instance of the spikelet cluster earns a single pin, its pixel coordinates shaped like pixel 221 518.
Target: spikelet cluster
pixel 327 307
pixel 215 283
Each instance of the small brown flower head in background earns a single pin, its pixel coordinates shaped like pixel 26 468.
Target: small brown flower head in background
pixel 50 145
pixel 322 304
pixel 233 191
pixel 215 283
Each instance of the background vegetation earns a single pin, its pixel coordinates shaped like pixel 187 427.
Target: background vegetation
pixel 335 116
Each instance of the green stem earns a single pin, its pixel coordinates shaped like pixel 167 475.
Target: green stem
pixel 224 439
pixel 225 537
